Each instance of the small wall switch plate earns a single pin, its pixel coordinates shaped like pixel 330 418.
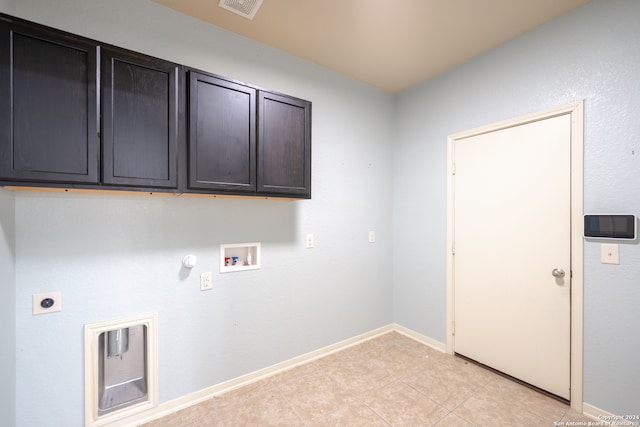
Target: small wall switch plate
pixel 206 281
pixel 48 302
pixel 610 253
pixel 310 242
pixel 372 237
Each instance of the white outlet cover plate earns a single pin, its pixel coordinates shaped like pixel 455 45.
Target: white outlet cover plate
pixel 37 308
pixel 610 253
pixel 206 281
pixel 310 241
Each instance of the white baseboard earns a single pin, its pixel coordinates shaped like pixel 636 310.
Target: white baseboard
pixel 183 402
pixel 437 345
pixel 603 416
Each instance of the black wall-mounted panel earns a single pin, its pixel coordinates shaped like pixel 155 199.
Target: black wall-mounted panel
pixel 610 226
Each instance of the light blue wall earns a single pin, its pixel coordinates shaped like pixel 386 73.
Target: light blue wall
pixel 7 309
pixel 116 256
pixel 592 54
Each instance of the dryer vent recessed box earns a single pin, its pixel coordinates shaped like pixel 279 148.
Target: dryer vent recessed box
pixel 610 226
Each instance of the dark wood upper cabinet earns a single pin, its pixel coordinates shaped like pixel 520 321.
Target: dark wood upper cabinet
pixel 222 135
pixel 76 113
pixel 284 145
pixel 48 106
pixel 139 120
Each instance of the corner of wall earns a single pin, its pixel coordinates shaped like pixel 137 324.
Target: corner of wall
pixel 7 308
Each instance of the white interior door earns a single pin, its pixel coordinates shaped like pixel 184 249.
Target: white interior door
pixel 512 241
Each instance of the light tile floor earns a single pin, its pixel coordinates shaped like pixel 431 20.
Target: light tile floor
pixel 389 380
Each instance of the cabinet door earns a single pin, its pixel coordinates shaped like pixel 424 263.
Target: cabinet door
pixel 284 145
pixel 222 135
pixel 139 120
pixel 48 106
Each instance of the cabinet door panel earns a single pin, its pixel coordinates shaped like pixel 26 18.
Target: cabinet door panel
pixel 48 126
pixel 284 145
pixel 140 120
pixel 221 135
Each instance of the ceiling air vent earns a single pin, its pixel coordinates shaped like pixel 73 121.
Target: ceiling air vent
pixel 246 8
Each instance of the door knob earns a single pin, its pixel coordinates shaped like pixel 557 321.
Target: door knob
pixel 558 273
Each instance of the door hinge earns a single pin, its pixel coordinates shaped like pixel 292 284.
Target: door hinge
pixel 453 328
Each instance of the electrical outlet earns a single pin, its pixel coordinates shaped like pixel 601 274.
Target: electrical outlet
pixel 310 243
pixel 609 253
pixel 206 281
pixel 372 237
pixel 48 302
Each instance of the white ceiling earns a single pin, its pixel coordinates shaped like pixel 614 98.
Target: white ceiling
pixel 389 44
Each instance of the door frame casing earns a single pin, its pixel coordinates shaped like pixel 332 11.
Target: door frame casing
pixel 576 112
